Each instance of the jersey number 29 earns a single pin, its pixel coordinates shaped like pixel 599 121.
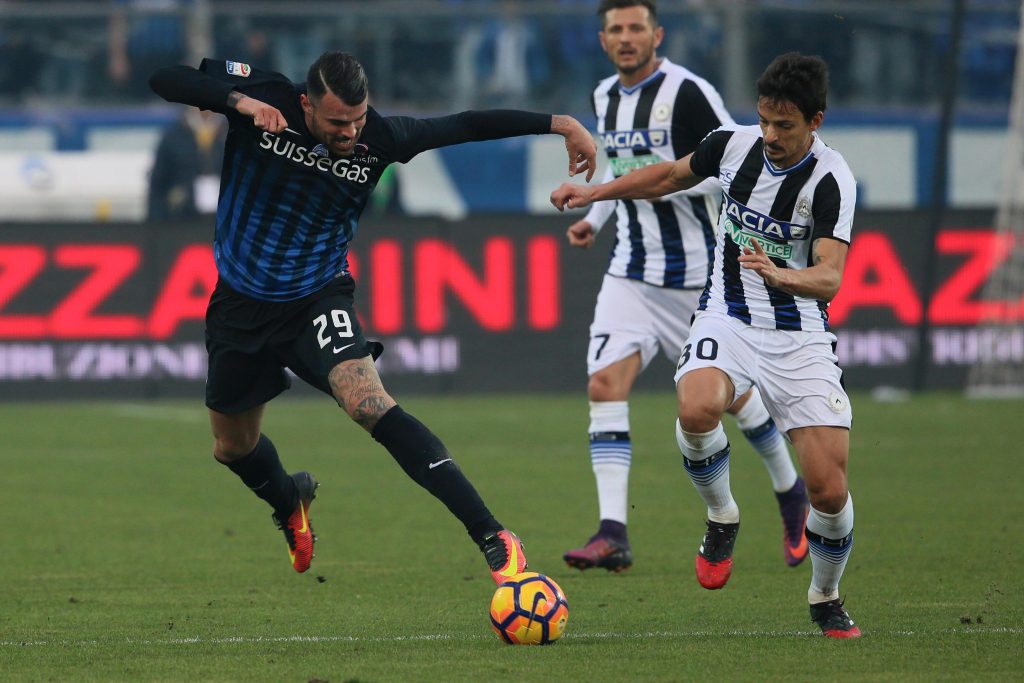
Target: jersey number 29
pixel 342 326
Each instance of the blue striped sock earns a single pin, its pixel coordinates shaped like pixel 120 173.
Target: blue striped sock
pixel 829 541
pixel 611 454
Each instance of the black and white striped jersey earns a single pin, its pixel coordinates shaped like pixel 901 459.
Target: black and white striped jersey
pixel 784 210
pixel 667 242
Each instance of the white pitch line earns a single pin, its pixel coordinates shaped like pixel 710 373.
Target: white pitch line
pixel 246 640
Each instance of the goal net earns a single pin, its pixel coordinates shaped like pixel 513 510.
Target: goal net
pixel 999 371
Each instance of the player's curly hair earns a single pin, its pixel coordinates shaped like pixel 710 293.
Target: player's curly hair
pixel 339 73
pixel 651 5
pixel 796 78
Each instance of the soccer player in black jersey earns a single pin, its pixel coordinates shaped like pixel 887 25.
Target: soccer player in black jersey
pixel 299 166
pixel 781 245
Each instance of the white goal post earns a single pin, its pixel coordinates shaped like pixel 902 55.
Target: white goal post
pixel 996 375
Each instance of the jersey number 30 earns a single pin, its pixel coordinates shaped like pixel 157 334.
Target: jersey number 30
pixel 706 349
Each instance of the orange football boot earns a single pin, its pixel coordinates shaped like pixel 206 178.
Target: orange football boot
pixel 504 554
pixel 298 531
pixel 714 557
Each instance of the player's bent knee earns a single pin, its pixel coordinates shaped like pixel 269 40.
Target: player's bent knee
pixel 602 388
pixel 698 418
pixel 828 497
pixel 366 411
pixel 230 449
pixel 359 392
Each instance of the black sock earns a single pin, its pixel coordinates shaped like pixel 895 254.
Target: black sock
pixel 262 472
pixel 427 462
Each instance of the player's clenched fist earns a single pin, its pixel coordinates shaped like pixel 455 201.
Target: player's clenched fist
pixel 581 234
pixel 264 116
pixel 570 196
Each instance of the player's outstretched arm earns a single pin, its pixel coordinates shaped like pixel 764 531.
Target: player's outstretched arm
pixel 186 85
pixel 413 136
pixel 579 143
pixel 649 182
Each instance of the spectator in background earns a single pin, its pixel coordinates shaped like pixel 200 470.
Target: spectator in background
pixel 517 58
pixel 498 61
pixel 185 180
pixel 289 43
pixel 19 59
pixel 243 38
pixel 70 50
pixel 571 42
pixel 144 36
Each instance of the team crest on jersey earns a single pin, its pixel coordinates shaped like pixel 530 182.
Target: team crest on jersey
pixel 662 112
pixel 803 207
pixel 238 69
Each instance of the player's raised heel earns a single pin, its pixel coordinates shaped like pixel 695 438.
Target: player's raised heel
pixel 714 557
pixel 794 508
pixel 833 620
pixel 601 551
pixel 298 530
pixel 504 554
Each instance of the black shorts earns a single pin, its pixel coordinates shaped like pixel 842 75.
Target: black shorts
pixel 250 343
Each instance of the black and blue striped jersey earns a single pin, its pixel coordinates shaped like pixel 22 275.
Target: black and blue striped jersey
pixel 785 210
pixel 287 209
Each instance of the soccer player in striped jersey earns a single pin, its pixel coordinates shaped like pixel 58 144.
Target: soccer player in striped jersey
pixel 300 163
pixel 652 110
pixel 783 234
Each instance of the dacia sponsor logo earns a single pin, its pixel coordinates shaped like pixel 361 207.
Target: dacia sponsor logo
pixel 631 139
pixel 758 223
pixel 342 168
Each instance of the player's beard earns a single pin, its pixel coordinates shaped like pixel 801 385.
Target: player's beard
pixel 643 58
pixel 333 141
pixel 350 146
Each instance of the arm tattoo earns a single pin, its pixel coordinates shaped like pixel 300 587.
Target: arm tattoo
pixel 233 97
pixel 358 389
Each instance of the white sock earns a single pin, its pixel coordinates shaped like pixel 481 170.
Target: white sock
pixel 757 425
pixel 611 453
pixel 830 540
pixel 706 459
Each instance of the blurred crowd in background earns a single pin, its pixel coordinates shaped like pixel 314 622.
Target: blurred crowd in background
pixel 429 55
pixel 82 136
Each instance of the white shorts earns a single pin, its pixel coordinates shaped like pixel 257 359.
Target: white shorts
pixel 796 372
pixel 632 316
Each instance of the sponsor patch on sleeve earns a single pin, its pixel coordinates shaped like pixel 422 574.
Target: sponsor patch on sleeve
pixel 238 69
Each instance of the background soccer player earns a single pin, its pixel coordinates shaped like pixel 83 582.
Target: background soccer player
pixel 300 164
pixel 652 110
pixel 781 246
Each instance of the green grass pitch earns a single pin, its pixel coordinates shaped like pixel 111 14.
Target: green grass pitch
pixel 129 555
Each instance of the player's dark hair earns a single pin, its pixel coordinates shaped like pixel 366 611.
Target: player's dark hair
pixel 339 73
pixel 796 78
pixel 651 5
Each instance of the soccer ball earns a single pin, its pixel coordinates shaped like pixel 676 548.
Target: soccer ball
pixel 529 609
